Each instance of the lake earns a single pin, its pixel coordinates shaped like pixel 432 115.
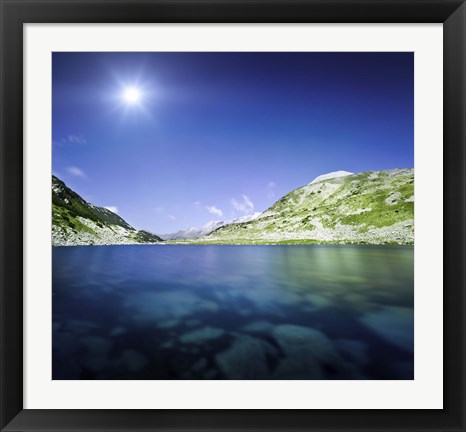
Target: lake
pixel 233 312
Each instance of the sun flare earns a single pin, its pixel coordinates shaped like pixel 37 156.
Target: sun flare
pixel 132 95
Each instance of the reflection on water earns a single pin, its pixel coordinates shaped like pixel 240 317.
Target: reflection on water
pixel 233 312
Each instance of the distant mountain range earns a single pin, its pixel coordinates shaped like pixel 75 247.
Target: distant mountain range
pixel 77 222
pixel 375 207
pixel 206 229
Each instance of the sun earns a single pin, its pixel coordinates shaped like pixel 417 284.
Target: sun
pixel 132 95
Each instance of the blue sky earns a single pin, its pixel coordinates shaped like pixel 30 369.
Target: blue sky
pixel 174 140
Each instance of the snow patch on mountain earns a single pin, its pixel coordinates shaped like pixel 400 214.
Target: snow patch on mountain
pixel 330 176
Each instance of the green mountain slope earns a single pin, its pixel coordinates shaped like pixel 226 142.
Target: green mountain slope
pixel 373 207
pixel 77 222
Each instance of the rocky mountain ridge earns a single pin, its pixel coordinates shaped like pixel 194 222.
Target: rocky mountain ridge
pixel 375 207
pixel 76 222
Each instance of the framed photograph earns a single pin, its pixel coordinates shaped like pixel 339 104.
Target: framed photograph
pixel 231 216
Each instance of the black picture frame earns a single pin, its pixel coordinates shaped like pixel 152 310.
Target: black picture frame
pixel 15 13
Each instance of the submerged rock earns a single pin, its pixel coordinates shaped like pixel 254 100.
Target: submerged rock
pixel 298 368
pixel 257 327
pixel 193 323
pixel 295 339
pixel 318 300
pixel 168 324
pixel 97 344
pixel 307 352
pixel 245 359
pixel 117 331
pixel 210 374
pixel 65 343
pixel 96 362
pixel 96 358
pixel 168 344
pixel 131 360
pixel 394 324
pixel 166 308
pixel 80 327
pixel 404 370
pixel 355 350
pixel 200 365
pixel 202 335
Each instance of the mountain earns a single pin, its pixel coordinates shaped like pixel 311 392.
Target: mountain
pixel 375 207
pixel 192 233
pixel 77 222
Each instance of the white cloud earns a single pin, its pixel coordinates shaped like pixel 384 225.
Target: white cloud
pixel 271 189
pixel 75 171
pixel 245 205
pixel 70 140
pixel 197 204
pixel 249 204
pixel 159 209
pixel 271 185
pixel 77 139
pixel 214 210
pixel 113 209
pixel 172 217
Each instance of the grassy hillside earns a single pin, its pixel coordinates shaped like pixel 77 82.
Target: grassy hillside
pixel 373 207
pixel 77 222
